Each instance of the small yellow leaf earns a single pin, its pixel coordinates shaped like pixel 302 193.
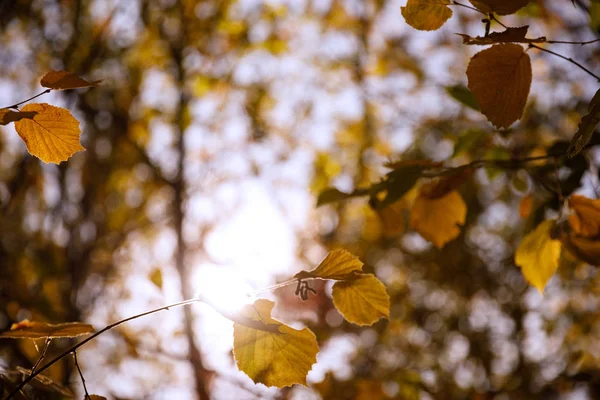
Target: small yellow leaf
pixel 337 265
pixel 362 300
pixel 538 255
pixel 500 79
pixel 438 219
pixel 37 330
pixel 501 7
pixel 7 115
pixel 585 221
pixel 280 358
pixel 64 80
pixel 426 15
pixel 156 277
pixel 52 134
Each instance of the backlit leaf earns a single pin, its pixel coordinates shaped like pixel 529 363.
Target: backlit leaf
pixel 362 299
pixel 337 265
pixel 501 7
pixel 64 80
pixel 538 255
pixel 280 358
pixel 52 134
pixel 510 35
pixel 585 220
pixel 438 219
pixel 426 15
pixel 500 78
pixel 586 128
pixel 38 330
pixel 7 115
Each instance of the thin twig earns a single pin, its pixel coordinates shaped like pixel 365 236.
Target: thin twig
pixel 16 106
pixel 565 58
pixel 273 287
pixel 87 395
pixel 567 42
pixel 493 18
pixel 42 355
pixel 456 3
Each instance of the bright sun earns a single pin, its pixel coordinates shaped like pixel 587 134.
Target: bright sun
pixel 222 287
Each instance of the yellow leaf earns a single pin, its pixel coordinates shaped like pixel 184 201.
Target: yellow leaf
pixel 538 255
pixel 155 277
pixel 438 219
pixel 52 134
pixel 585 221
pixel 501 7
pixel 500 78
pixel 65 80
pixel 7 115
pixel 38 330
pixel 337 265
pixel 426 15
pixel 362 300
pixel 280 358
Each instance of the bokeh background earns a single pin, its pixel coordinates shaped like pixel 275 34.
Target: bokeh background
pixel 217 124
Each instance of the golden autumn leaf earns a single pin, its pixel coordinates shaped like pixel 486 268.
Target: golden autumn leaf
pixel 281 358
pixel 52 134
pixel 7 116
pixel 63 80
pixel 501 7
pixel 426 15
pixel 156 277
pixel 500 79
pixel 37 330
pixel 392 218
pixel 538 255
pixel 361 299
pixel 586 127
pixel 510 35
pixel 585 220
pixel 337 265
pixel 438 219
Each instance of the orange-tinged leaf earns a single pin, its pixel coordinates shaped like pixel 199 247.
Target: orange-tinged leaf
pixel 538 255
pixel 438 219
pixel 500 79
pixel 52 134
pixel 337 265
pixel 585 220
pixel 96 397
pixel 585 249
pixel 526 206
pixel 426 15
pixel 362 300
pixel 502 7
pixel 510 35
pixel 156 277
pixel 63 80
pixel 7 115
pixel 280 358
pixel 37 330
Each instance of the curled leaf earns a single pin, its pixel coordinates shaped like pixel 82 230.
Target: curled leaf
pixel 586 128
pixel 426 15
pixel 585 220
pixel 585 249
pixel 52 134
pixel 37 330
pixel 63 80
pixel 337 265
pixel 500 79
pixel 280 358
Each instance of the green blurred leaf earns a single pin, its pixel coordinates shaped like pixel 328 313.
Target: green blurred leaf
pixel 463 95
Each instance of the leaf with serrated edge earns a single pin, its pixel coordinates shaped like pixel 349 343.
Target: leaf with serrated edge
pixel 280 358
pixel 362 300
pixel 52 134
pixel 538 255
pixel 38 330
pixel 64 80
pixel 337 265
pixel 426 15
pixel 500 79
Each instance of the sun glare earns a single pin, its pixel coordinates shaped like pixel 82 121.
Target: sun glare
pixel 222 287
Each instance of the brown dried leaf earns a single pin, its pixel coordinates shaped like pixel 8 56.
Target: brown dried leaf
pixel 63 80
pixel 585 220
pixel 38 330
pixel 501 7
pixel 510 35
pixel 7 115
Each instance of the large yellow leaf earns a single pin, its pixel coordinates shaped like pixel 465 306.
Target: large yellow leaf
pixel 438 219
pixel 65 80
pixel 362 299
pixel 280 358
pixel 37 330
pixel 538 255
pixel 52 134
pixel 500 78
pixel 585 220
pixel 426 15
pixel 337 265
pixel 502 7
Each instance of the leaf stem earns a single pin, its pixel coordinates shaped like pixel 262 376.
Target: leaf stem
pixel 456 3
pixel 568 42
pixel 565 58
pixel 87 395
pixel 16 105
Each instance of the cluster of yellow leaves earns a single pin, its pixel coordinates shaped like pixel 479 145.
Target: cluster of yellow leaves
pixel 50 133
pixel 539 253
